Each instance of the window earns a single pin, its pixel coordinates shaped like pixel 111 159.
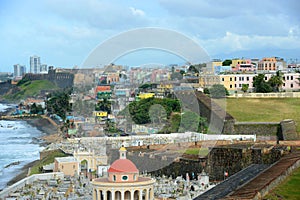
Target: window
pixel 230 79
pixel 222 79
pixel 292 85
pixel 292 78
pixel 230 86
pixel 114 178
pixel 124 178
pixel 234 78
pixel 266 78
pixel 73 166
pixel 247 78
pixel 240 85
pixel 287 78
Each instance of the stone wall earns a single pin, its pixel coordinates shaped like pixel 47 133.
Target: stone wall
pixel 61 79
pixel 284 130
pixel 288 129
pixel 219 120
pixel 257 128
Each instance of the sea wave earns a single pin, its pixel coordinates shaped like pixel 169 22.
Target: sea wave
pixel 17 146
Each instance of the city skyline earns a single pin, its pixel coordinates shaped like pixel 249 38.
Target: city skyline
pixel 64 36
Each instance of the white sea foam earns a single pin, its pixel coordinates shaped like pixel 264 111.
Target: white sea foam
pixel 16 145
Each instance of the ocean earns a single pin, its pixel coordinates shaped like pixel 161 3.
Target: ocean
pixel 16 147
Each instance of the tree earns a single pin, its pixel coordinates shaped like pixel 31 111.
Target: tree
pixel 227 62
pixel 157 114
pixel 103 105
pixel 218 91
pixel 58 103
pixel 276 81
pixel 245 87
pixel 261 85
pixel 193 68
pixel 189 122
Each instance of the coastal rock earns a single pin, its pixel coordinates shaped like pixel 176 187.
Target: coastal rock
pixel 12 164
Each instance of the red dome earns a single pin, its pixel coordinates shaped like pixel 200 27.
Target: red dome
pixel 123 165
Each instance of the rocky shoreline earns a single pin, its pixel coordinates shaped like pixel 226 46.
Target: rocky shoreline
pixel 50 134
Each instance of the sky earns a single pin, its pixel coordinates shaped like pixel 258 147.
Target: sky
pixel 64 32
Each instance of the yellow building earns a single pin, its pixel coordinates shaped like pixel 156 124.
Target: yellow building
pixel 229 81
pixel 210 66
pixel 146 95
pixel 100 114
pixel 123 182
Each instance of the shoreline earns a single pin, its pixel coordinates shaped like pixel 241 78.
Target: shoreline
pixel 49 134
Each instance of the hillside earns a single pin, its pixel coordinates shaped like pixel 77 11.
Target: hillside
pixel 29 89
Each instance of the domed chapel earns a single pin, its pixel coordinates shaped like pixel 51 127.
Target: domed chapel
pixel 123 182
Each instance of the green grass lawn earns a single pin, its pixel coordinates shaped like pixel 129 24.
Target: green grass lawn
pixel 36 169
pixel 31 88
pixel 264 110
pixel 289 189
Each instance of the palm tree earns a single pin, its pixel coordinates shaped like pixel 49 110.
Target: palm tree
pixel 276 81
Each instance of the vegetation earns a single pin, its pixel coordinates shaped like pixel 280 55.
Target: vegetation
pixel 36 109
pixel 289 189
pixel 217 91
pixel 261 85
pixel 58 103
pixel 28 88
pixel 196 151
pixel 38 167
pixel 273 85
pixel 166 112
pixel 276 81
pixel 103 105
pixel 245 87
pixel 264 110
pixel 193 69
pixel 227 62
pixel 139 110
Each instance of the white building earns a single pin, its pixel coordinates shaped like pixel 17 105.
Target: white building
pixel 19 70
pixel 35 64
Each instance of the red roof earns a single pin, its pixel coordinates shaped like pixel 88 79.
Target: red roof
pixel 123 165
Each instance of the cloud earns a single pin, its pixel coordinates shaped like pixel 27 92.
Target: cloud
pixel 99 14
pixel 232 42
pixel 137 12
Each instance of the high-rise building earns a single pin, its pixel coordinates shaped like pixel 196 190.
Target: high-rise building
pixel 43 68
pixel 35 64
pixel 19 70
